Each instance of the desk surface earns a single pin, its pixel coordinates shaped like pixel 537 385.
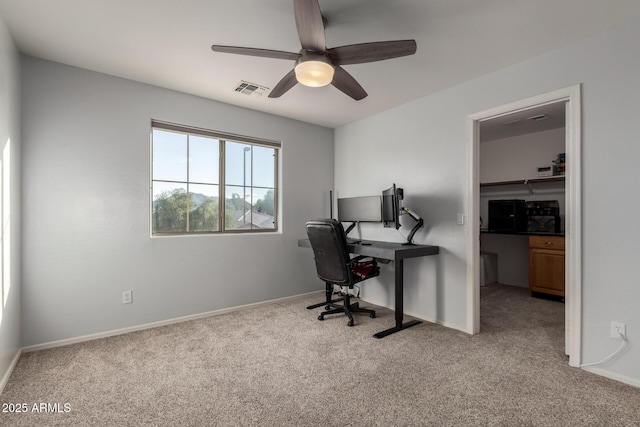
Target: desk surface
pixel 385 250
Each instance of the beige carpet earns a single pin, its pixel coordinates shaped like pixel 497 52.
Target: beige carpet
pixel 277 365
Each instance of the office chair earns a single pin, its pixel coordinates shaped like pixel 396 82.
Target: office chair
pixel 336 267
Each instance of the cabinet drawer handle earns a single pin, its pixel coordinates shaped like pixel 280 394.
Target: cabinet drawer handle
pixel 548 243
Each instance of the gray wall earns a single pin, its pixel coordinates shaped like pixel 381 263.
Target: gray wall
pixel 86 208
pixel 10 207
pixel 422 146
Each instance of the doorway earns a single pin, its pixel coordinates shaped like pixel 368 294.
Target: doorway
pixel 570 97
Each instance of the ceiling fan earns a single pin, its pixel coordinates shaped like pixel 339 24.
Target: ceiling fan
pixel 317 66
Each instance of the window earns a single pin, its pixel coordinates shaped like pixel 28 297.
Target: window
pixel 194 169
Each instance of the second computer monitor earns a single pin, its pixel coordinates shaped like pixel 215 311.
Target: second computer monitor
pixel 391 207
pixel 360 209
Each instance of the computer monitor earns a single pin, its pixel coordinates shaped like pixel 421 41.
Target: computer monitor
pixel 360 209
pixel 391 207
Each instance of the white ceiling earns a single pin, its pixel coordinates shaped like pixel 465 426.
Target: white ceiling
pixel 536 119
pixel 167 43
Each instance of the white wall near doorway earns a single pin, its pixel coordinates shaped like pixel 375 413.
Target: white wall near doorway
pixel 518 157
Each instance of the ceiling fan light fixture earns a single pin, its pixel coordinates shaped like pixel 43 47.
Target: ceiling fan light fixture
pixel 315 72
pixel 318 66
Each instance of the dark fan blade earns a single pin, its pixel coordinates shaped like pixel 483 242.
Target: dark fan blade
pixel 309 25
pixel 370 52
pixel 347 84
pixel 264 53
pixel 284 85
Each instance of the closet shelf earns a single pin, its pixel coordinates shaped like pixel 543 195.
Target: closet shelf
pixel 557 178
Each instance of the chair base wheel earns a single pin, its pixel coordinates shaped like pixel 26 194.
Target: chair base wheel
pixel 347 309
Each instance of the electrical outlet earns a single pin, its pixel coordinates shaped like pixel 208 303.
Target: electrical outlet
pixel 618 330
pixel 127 297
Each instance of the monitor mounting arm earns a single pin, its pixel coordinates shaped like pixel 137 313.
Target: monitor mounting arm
pixel 419 223
pixel 350 228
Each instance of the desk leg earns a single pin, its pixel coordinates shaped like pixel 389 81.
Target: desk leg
pixel 399 314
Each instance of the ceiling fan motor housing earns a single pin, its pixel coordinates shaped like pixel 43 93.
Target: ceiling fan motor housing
pixel 314 69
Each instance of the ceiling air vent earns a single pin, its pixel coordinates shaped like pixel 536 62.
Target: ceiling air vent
pixel 252 89
pixel 538 118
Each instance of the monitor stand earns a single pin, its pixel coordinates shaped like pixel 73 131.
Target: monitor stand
pixel 419 224
pixel 353 224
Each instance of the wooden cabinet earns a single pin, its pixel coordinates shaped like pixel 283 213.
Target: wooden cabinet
pixel 546 265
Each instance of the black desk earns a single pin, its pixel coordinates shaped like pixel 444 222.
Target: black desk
pixel 396 252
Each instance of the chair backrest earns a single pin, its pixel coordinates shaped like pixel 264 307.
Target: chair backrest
pixel 329 244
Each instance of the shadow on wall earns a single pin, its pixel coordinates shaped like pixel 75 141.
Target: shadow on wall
pixel 439 212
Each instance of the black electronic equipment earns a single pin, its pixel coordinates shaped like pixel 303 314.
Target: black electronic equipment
pixel 392 209
pixel 359 209
pixel 543 208
pixel 507 216
pixel 543 216
pixel 391 198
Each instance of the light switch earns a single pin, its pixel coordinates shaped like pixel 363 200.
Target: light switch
pixel 460 218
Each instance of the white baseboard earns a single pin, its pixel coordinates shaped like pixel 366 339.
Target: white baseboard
pixel 421 317
pixel 7 375
pixel 438 322
pixel 621 378
pixel 142 327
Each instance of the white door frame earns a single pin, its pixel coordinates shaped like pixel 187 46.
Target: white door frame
pixel 573 228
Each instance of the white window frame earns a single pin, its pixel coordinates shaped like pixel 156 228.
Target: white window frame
pixel 223 138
